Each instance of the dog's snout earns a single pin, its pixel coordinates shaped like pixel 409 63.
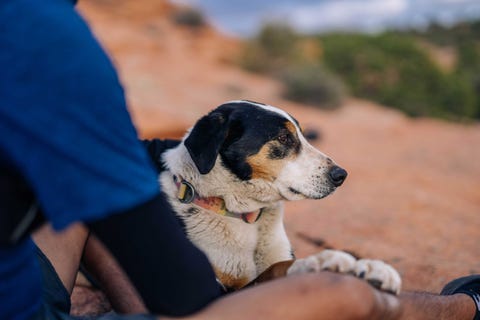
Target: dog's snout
pixel 337 175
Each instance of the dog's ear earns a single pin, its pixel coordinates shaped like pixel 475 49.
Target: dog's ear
pixel 206 138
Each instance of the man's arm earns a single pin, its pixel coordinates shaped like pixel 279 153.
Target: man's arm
pixel 426 306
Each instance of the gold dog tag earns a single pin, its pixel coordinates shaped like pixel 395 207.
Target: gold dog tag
pixel 186 192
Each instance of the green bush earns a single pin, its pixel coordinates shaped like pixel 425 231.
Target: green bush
pixel 274 48
pixel 468 68
pixel 459 100
pixel 393 70
pixel 314 85
pixel 464 37
pixel 451 35
pixel 390 68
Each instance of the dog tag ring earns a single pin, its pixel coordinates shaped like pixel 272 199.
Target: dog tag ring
pixel 186 192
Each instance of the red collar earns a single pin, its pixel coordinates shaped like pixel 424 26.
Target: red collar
pixel 187 194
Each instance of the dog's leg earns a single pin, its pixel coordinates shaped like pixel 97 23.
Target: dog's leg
pixel 376 272
pixel 273 245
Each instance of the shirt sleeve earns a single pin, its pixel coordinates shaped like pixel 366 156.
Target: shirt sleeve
pixel 63 117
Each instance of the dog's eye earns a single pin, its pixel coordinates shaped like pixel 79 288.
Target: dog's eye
pixel 283 139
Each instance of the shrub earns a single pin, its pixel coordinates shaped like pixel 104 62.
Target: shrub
pixel 393 70
pixel 390 68
pixel 314 85
pixel 189 17
pixel 468 68
pixel 273 49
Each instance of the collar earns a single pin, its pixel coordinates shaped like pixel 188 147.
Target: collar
pixel 186 194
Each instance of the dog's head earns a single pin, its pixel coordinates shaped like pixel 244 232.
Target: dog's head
pixel 264 146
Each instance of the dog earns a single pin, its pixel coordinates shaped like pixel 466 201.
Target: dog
pixel 227 180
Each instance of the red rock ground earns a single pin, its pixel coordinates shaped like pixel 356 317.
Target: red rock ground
pixel 412 197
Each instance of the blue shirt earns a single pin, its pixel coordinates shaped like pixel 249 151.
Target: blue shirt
pixel 64 126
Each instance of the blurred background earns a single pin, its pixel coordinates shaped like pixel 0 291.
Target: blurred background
pixel 245 18
pixel 391 89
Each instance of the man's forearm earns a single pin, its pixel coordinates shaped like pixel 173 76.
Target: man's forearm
pixel 425 306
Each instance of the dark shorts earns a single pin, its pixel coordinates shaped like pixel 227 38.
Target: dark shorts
pixel 56 300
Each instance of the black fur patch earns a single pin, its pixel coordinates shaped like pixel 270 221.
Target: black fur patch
pixel 236 131
pixel 286 144
pixel 251 128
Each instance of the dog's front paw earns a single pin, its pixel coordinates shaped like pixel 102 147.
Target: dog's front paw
pixel 379 274
pixel 376 272
pixel 333 260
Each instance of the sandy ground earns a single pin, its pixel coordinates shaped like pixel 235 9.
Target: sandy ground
pixel 412 196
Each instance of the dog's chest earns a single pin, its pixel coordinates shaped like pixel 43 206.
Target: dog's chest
pixel 237 250
pixel 229 244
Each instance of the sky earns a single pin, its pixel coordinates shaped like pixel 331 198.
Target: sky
pixel 244 17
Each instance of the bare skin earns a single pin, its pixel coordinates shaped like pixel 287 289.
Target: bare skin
pixel 428 306
pixel 63 249
pixel 317 296
pixel 324 295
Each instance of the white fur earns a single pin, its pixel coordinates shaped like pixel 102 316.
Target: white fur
pixel 377 270
pixel 332 260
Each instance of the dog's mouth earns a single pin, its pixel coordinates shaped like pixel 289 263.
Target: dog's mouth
pixel 295 194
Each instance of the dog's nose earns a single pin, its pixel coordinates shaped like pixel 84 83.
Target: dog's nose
pixel 337 175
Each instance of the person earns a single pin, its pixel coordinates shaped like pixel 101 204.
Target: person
pixel 70 157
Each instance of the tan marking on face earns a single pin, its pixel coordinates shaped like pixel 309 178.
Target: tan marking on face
pixel 291 127
pixel 231 281
pixel 263 167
